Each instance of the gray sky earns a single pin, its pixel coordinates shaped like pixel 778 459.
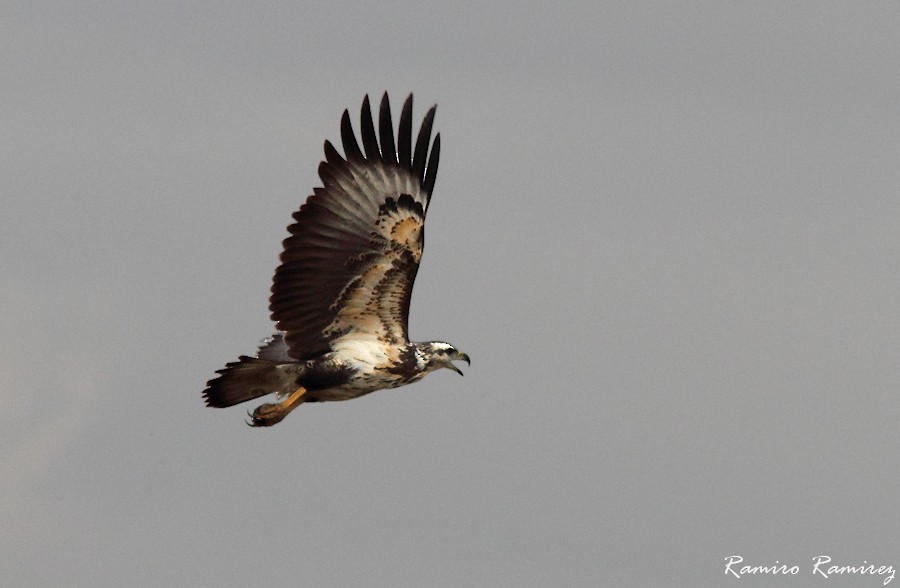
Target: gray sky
pixel 666 233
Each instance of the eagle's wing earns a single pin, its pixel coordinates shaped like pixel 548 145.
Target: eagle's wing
pixel 353 253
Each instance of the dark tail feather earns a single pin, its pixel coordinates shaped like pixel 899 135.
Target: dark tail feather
pixel 240 381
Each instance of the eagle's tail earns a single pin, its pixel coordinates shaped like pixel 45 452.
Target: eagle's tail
pixel 242 380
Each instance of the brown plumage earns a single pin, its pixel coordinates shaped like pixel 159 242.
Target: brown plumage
pixel 341 296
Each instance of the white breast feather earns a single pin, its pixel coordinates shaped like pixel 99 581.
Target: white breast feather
pixel 363 350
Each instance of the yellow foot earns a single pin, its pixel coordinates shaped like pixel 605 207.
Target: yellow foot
pixel 267 415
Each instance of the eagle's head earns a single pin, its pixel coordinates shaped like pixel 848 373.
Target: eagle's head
pixel 437 354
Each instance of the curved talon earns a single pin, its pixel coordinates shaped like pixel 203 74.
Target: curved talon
pixel 266 415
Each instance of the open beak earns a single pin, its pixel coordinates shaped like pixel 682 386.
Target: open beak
pixel 459 357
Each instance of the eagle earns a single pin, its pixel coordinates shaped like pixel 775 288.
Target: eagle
pixel 340 296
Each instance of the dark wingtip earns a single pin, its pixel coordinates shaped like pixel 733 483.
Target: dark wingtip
pixel 331 154
pixel 386 131
pixel 404 134
pixel 348 139
pixel 421 153
pixel 370 142
pixel 432 166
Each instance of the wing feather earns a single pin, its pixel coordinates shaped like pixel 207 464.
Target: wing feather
pixel 348 139
pixel 350 261
pixel 404 135
pixel 418 166
pixel 370 143
pixel 431 170
pixel 386 132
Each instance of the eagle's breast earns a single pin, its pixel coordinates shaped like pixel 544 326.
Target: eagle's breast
pixel 373 365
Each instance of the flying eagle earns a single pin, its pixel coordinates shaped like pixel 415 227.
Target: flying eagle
pixel 340 298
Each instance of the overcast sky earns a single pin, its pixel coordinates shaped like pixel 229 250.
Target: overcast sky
pixel 666 233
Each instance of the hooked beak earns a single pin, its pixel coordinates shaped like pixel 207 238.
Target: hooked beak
pixel 458 357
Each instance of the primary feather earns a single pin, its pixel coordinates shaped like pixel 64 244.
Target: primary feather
pixel 341 295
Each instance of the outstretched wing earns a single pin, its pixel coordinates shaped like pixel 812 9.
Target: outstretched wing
pixel 349 264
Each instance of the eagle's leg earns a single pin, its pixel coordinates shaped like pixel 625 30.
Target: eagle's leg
pixel 267 415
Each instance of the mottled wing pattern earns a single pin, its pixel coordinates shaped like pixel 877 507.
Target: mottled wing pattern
pixel 348 266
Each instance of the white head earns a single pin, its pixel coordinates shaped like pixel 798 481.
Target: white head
pixel 437 354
